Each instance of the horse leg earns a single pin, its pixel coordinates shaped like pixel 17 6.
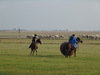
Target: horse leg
pixel 74 53
pixel 36 51
pixel 69 52
pixel 31 52
pixel 66 56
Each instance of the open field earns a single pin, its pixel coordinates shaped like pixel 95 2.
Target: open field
pixel 15 58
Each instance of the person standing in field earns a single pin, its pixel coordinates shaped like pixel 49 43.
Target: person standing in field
pixel 73 40
pixel 33 41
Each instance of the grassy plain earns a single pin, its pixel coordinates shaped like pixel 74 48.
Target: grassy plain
pixel 15 58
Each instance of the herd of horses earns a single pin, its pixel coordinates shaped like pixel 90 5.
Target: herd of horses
pixel 65 48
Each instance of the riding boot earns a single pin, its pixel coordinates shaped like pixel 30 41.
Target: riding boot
pixel 30 45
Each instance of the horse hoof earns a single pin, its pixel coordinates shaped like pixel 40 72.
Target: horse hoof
pixel 66 56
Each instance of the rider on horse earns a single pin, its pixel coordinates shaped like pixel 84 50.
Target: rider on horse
pixel 73 40
pixel 69 48
pixel 33 40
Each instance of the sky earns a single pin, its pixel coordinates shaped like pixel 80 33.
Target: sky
pixel 82 15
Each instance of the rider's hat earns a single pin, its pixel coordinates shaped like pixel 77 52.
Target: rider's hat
pixel 73 35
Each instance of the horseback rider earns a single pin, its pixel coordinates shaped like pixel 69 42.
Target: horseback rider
pixel 34 37
pixel 33 40
pixel 73 40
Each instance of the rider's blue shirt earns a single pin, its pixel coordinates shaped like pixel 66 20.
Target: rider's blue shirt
pixel 73 41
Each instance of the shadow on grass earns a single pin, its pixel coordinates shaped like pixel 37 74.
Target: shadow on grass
pixel 45 56
pixel 14 55
pixel 50 56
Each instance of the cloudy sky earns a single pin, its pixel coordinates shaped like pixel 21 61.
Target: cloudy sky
pixel 50 14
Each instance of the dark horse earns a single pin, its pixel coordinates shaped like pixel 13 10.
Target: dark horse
pixel 34 46
pixel 67 49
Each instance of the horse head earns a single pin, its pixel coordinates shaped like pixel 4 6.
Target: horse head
pixel 79 40
pixel 38 41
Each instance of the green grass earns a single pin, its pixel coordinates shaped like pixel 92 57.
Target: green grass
pixel 15 59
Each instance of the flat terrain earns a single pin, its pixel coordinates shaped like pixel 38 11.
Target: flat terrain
pixel 15 58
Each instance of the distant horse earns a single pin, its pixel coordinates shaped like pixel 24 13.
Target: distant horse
pixel 34 46
pixel 67 49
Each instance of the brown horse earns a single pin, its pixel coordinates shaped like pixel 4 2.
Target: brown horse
pixel 67 49
pixel 34 46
